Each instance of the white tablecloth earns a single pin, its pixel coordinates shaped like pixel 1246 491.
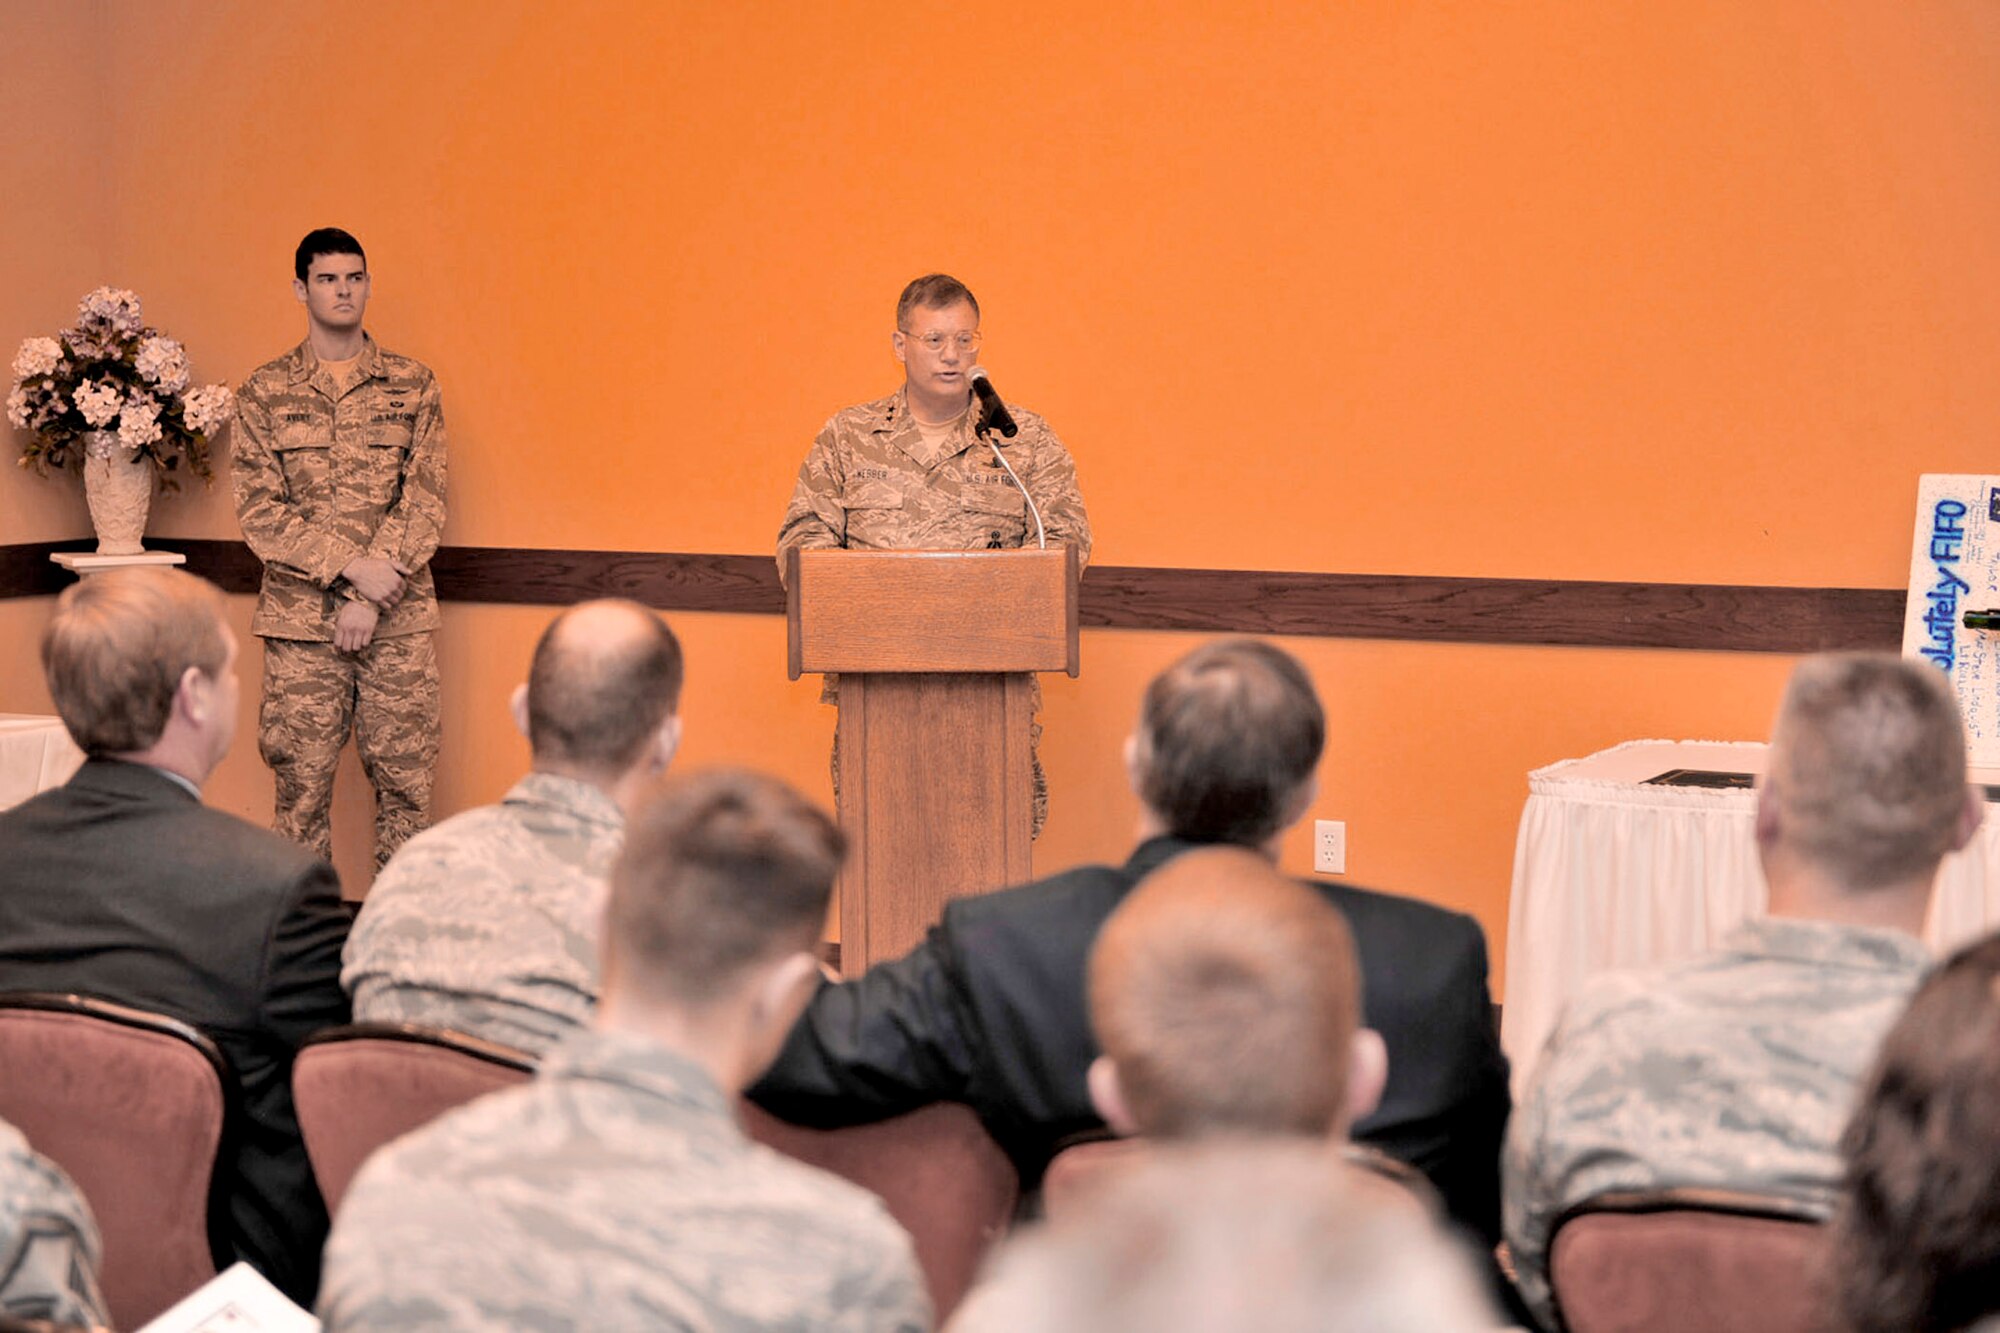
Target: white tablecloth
pixel 35 754
pixel 1609 873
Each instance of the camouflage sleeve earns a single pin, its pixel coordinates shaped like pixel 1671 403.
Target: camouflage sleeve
pixel 49 1248
pixel 409 533
pixel 1052 482
pixel 816 519
pixel 885 1292
pixel 1529 1194
pixel 273 525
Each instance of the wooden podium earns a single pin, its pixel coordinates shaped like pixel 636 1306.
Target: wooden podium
pixel 934 651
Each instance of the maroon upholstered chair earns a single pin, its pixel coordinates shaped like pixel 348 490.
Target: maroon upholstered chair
pixel 936 1169
pixel 137 1108
pixel 358 1087
pixel 1690 1259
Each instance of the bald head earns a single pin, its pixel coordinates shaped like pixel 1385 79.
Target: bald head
pixel 606 675
pixel 1227 998
pixel 1866 781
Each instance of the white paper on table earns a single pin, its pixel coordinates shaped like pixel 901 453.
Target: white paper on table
pixel 237 1300
pixel 1955 568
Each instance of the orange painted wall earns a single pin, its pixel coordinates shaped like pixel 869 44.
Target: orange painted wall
pixel 1688 290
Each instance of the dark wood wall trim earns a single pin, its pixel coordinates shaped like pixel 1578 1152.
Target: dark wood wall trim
pixel 1568 612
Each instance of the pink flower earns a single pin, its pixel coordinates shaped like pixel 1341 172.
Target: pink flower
pixel 114 306
pixel 163 361
pixel 100 402
pixel 139 423
pixel 207 407
pixel 38 356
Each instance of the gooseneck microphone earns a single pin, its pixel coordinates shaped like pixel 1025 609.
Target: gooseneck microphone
pixel 994 413
pixel 996 417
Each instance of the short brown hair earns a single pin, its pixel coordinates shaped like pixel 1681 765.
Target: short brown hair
pixel 933 291
pixel 595 703
pixel 117 647
pixel 1917 1236
pixel 1228 737
pixel 325 241
pixel 720 870
pixel 1867 767
pixel 1228 997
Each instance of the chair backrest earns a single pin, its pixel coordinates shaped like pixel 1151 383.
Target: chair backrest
pixel 1682 1259
pixel 360 1086
pixel 137 1108
pixel 939 1173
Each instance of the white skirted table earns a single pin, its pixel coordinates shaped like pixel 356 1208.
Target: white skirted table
pixel 35 754
pixel 1612 873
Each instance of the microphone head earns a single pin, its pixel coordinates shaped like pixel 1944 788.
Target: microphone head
pixel 997 414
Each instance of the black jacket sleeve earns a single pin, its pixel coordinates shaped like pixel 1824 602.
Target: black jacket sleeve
pixel 888 1042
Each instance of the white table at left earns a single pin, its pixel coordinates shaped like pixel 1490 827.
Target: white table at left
pixel 36 754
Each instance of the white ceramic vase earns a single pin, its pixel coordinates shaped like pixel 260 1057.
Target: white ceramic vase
pixel 118 484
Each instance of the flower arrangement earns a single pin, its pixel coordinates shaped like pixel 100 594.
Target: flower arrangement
pixel 111 375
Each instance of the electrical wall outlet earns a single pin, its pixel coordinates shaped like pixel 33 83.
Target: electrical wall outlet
pixel 1330 846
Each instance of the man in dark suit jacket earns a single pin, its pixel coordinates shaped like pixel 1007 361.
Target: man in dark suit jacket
pixel 990 1010
pixel 122 884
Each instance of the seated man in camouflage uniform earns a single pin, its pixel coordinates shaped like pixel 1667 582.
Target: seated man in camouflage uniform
pixel 1735 1070
pixel 914 471
pixel 617 1190
pixel 488 923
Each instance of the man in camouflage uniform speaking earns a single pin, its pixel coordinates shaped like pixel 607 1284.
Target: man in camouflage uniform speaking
pixel 339 476
pixel 913 471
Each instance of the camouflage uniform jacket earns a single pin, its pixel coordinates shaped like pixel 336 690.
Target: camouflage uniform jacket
pixel 1734 1070
pixel 323 478
pixel 49 1249
pixel 616 1191
pixel 871 483
pixel 488 923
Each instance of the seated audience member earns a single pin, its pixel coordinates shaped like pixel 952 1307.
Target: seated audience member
pixel 49 1249
pixel 1232 1236
pixel 990 1010
pixel 1735 1070
pixel 122 884
pixel 1226 1001
pixel 1917 1234
pixel 617 1190
pixel 488 922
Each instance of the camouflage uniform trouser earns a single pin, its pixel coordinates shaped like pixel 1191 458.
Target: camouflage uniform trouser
pixel 387 695
pixel 829 693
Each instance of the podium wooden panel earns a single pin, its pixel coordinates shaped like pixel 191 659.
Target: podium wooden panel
pixel 934 651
